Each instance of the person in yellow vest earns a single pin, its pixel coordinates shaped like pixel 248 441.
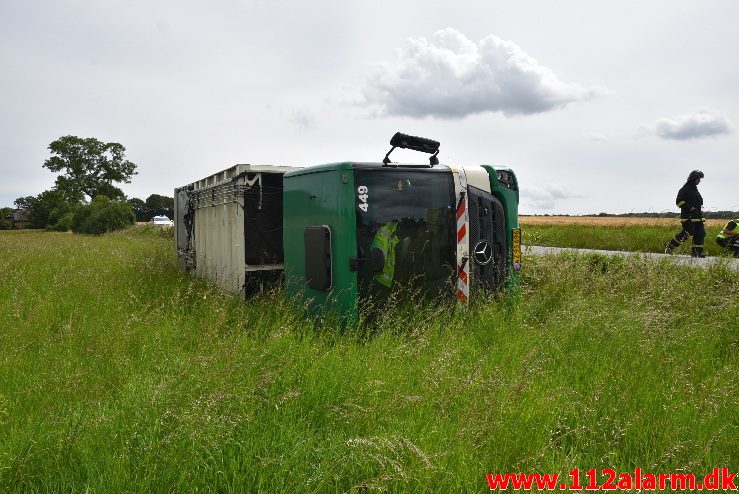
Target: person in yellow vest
pixel 729 237
pixel 386 239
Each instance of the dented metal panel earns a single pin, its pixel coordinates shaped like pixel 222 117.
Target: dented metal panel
pixel 218 239
pixel 213 232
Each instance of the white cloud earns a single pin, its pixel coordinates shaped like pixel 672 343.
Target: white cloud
pixel 450 76
pixel 546 197
pixel 303 120
pixel 593 136
pixel 699 124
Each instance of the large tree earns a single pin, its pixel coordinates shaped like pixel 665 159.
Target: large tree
pixel 160 205
pixel 138 206
pixel 89 166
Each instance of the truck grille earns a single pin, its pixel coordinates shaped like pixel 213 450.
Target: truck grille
pixel 487 222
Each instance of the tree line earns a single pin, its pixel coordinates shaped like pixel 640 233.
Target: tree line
pixel 85 197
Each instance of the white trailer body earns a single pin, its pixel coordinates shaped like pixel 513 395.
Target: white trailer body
pixel 228 227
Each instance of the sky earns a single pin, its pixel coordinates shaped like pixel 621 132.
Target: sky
pixel 597 106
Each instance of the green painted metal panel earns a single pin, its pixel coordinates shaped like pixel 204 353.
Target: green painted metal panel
pixel 321 195
pixel 320 168
pixel 509 198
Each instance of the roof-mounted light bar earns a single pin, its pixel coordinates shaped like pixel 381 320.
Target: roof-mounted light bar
pixel 405 141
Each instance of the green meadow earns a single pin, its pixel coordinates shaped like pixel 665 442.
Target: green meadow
pixel 631 238
pixel 119 373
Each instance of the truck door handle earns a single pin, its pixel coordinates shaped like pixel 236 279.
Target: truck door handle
pixel 377 258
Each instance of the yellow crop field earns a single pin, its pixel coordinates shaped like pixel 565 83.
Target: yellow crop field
pixel 612 221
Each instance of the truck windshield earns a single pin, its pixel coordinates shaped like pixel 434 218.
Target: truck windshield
pixel 405 233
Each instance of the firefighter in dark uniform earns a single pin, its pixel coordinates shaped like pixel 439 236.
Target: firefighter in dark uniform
pixel 729 237
pixel 690 202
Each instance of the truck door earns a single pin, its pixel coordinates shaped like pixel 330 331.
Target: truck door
pixel 405 232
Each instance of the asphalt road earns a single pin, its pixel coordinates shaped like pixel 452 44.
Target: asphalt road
pixel 680 259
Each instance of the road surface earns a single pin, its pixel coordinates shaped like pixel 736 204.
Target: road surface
pixel 680 259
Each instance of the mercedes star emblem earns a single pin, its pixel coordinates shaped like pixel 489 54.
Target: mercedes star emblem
pixel 483 253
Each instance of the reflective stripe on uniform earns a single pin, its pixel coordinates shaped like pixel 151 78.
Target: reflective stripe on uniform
pixel 386 240
pixel 726 227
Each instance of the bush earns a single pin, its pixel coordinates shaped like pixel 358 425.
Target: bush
pixel 102 215
pixel 5 224
pixel 60 218
pixel 63 224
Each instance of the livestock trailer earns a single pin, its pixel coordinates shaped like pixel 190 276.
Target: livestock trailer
pixel 228 227
pixel 356 232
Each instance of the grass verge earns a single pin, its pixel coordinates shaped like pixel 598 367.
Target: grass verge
pixel 119 373
pixel 630 238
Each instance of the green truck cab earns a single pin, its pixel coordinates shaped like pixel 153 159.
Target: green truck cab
pixel 355 232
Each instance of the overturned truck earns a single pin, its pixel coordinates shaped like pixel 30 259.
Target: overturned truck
pixel 346 235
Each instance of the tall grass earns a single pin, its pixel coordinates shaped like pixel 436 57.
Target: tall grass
pixel 631 238
pixel 118 373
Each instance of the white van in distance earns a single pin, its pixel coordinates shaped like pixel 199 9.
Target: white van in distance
pixel 161 221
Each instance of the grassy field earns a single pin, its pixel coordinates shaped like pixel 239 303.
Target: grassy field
pixel 612 233
pixel 118 373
